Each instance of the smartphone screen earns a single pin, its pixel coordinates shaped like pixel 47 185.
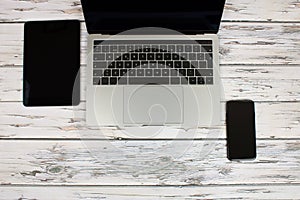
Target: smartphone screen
pixel 51 63
pixel 240 129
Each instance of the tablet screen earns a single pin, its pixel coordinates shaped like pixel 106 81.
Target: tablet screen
pixel 51 63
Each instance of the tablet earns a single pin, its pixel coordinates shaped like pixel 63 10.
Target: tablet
pixel 51 65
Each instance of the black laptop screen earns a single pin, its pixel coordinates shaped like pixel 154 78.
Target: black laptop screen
pixel 188 16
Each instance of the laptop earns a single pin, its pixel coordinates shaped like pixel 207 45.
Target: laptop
pixel 153 63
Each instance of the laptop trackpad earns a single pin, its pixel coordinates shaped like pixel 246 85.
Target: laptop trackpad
pixel 153 105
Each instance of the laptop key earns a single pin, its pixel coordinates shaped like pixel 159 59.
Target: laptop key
pixel 112 65
pixel 186 64
pixel 182 72
pixel 174 72
pixel 190 72
pixel 196 48
pixel 175 80
pixel 120 64
pixel 96 81
pixel 192 56
pixel 177 64
pixel 163 48
pixel 150 56
pixel 142 56
pixel 122 48
pixel 192 80
pixel 132 72
pixel 99 56
pixel 200 56
pixel 153 64
pixel 200 81
pixel 202 64
pixel 123 72
pixel 167 56
pixel 117 56
pixel 100 64
pixel 144 64
pixel 109 56
pixel 188 48
pixel 171 48
pixel 134 56
pixel 157 72
pixel 206 49
pixel 112 81
pixel 209 80
pixel 179 48
pixel 183 56
pixel 98 72
pixel 165 72
pixel 154 48
pixel 140 72
pixel 115 72
pixel 107 72
pixel 136 63
pixel 159 56
pixel 149 72
pixel 125 56
pixel 149 80
pixel 169 64
pixel 113 48
pixel 105 48
pixel 194 64
pixel 104 81
pixel 205 72
pixel 175 56
pixel 128 64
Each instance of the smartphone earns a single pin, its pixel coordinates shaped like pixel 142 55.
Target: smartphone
pixel 51 65
pixel 240 130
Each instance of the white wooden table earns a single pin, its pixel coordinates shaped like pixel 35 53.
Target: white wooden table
pixel 43 156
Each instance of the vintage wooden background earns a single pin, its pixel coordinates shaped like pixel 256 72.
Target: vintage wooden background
pixel 45 152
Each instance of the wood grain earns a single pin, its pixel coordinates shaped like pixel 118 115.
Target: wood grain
pixel 235 10
pixel 273 121
pixel 49 153
pixel 272 191
pixel 240 43
pixel 144 163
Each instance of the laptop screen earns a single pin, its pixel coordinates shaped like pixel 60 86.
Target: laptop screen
pixel 188 17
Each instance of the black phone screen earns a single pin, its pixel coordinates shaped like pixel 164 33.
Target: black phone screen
pixel 240 129
pixel 51 63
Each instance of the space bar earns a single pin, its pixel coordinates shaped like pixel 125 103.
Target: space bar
pixel 148 80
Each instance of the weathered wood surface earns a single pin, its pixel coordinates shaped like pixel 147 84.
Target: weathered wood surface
pixel 43 154
pixel 240 43
pixel 274 120
pixel 277 191
pixel 235 10
pixel 145 163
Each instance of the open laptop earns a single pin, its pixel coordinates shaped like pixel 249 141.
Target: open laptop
pixel 140 75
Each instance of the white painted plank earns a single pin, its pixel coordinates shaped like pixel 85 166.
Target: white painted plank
pixel 147 192
pixel 144 163
pixel 273 120
pixel 240 43
pixel 259 83
pixel 276 10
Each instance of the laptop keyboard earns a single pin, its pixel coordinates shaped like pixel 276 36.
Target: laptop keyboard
pixel 153 62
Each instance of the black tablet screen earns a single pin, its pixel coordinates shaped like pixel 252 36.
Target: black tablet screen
pixel 51 63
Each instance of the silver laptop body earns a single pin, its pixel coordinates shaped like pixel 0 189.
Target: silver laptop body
pixel 153 79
